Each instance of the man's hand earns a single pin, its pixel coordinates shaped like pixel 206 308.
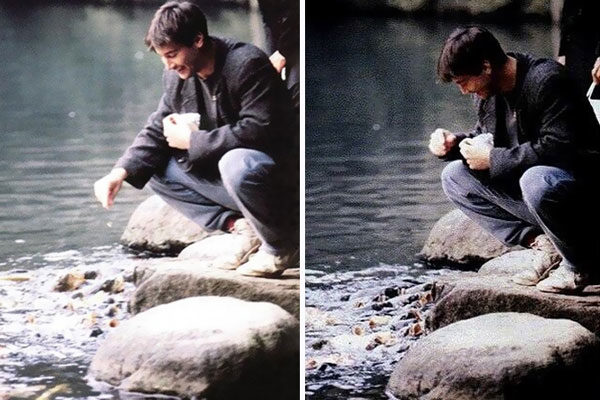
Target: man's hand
pixel 596 71
pixel 106 188
pixel 441 142
pixel 177 131
pixel 278 61
pixel 476 153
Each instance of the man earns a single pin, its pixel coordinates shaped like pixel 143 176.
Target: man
pixel 529 166
pixel 240 159
pixel 281 21
pixel 579 48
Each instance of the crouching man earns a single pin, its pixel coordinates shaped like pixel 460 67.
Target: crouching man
pixel 222 147
pixel 528 168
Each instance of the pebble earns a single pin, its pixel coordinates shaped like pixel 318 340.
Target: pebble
pixel 318 345
pixel 15 278
pixel 90 275
pixel 96 332
pixel 112 311
pixel 378 320
pixel 70 281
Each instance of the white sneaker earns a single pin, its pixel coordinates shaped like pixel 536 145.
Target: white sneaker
pixel 266 265
pixel 545 259
pixel 247 243
pixel 227 251
pixel 564 281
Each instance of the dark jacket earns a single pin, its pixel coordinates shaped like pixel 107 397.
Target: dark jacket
pixel 555 122
pixel 253 111
pixel 580 38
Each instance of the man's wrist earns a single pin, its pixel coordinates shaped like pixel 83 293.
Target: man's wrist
pixel 119 173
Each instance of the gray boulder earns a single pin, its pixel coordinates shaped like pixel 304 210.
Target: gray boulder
pixel 155 226
pixel 208 347
pixel 166 281
pixel 466 295
pixel 456 239
pixel 500 356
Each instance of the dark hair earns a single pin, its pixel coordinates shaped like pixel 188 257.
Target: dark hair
pixel 176 22
pixel 465 50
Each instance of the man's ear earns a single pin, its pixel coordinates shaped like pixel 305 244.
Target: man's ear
pixel 199 41
pixel 486 68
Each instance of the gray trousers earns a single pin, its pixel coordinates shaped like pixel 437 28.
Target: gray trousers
pixel 248 186
pixel 545 199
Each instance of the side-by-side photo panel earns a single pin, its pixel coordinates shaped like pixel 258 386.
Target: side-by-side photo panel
pixel 150 190
pixel 450 155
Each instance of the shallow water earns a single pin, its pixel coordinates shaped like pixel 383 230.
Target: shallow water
pixel 76 84
pixel 372 187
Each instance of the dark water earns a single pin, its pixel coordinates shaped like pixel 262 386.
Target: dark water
pixel 372 187
pixel 76 84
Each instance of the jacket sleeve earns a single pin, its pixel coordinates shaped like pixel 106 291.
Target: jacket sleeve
pixel 553 144
pixel 256 91
pixel 149 151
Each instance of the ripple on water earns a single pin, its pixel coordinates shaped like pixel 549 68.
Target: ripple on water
pixel 351 342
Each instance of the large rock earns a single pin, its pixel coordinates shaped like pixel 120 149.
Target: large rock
pixel 155 226
pixel 466 295
pixel 456 239
pixel 167 281
pixel 208 347
pixel 500 356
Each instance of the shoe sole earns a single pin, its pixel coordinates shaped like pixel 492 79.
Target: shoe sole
pixel 576 290
pixel 262 274
pixel 562 291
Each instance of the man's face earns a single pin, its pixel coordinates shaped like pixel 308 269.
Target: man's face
pixel 474 84
pixel 481 84
pixel 184 60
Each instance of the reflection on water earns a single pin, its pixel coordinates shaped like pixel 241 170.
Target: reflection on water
pixel 372 187
pixel 76 84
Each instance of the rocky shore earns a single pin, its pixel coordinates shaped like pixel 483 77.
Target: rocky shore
pixel 488 338
pixel 161 326
pixel 196 330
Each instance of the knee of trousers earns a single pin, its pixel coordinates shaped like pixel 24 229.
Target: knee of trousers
pixel 535 187
pixel 456 179
pixel 239 166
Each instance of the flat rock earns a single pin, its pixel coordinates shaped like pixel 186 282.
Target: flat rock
pixel 509 264
pixel 471 294
pixel 204 347
pixel 500 356
pixel 456 239
pixel 162 282
pixel 155 226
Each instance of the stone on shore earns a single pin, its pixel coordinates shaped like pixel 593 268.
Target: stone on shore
pixel 204 347
pixel 455 239
pixel 157 227
pixel 466 295
pixel 167 281
pixel 500 356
